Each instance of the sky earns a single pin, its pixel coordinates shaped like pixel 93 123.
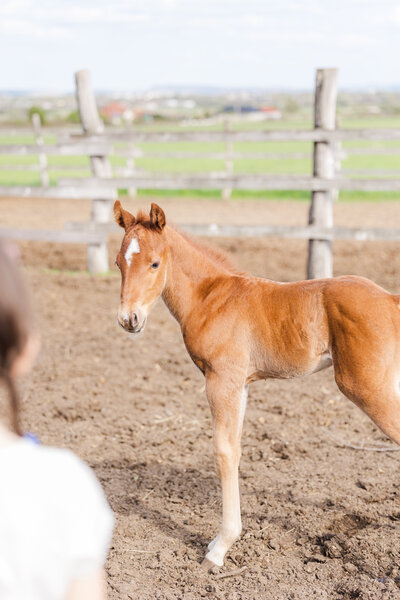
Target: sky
pixel 133 45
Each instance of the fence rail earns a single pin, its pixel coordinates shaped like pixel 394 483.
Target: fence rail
pixel 110 148
pixel 238 182
pixel 65 149
pixel 365 234
pixel 285 135
pixel 62 192
pixel 70 236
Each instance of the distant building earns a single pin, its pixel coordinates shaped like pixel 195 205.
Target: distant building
pixel 113 110
pixel 240 108
pixel 255 113
pixel 270 112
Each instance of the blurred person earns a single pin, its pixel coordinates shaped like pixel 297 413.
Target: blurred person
pixel 55 523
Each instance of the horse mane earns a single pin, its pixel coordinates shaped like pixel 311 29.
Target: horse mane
pixel 217 256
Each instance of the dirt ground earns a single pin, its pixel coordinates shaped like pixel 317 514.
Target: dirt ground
pixel 321 517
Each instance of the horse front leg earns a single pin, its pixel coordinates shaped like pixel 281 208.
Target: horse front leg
pixel 228 404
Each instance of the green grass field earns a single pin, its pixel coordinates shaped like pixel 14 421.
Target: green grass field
pixel 78 166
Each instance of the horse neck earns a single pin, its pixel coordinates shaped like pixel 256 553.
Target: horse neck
pixel 188 266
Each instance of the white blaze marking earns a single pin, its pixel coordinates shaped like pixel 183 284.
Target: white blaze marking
pixel 133 248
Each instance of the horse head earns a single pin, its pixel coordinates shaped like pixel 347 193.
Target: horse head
pixel 142 260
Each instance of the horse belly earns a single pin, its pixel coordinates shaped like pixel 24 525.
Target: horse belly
pixel 298 351
pixel 288 368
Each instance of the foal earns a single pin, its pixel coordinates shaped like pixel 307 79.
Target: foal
pixel 238 328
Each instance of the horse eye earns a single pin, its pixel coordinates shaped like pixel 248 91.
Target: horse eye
pixel 155 265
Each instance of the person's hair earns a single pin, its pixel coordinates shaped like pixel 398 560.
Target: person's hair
pixel 14 324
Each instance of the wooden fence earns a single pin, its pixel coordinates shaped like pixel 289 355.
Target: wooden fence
pixel 99 144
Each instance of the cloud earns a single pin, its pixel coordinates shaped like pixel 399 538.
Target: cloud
pixel 90 16
pixel 24 28
pixel 284 23
pixel 217 40
pixel 287 15
pixel 63 13
pixel 357 40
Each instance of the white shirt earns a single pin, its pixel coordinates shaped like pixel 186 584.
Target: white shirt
pixel 55 523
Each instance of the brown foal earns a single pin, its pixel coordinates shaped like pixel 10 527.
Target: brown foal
pixel 238 328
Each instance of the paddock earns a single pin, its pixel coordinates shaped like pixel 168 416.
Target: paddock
pixel 319 483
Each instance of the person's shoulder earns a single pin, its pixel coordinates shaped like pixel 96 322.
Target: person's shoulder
pixel 62 461
pixel 69 470
pixel 59 461
pixel 53 468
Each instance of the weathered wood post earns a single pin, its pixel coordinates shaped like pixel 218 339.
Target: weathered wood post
pixel 37 129
pixel 97 254
pixel 321 209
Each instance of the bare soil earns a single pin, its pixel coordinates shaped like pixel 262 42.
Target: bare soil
pixel 321 517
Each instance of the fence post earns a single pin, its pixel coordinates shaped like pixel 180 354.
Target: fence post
pixel 321 209
pixel 37 129
pixel 227 191
pixel 97 254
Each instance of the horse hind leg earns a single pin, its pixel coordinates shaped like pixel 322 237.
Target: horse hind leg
pixel 381 402
pixel 386 414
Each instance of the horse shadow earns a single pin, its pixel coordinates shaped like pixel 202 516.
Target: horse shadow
pixel 149 490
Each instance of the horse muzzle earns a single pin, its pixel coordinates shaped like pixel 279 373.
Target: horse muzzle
pixel 133 322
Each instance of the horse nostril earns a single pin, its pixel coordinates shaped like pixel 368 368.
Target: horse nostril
pixel 134 319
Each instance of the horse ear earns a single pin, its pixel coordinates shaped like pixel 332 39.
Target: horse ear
pixel 157 217
pixel 124 218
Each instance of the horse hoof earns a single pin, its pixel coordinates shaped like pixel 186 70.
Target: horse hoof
pixel 207 565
